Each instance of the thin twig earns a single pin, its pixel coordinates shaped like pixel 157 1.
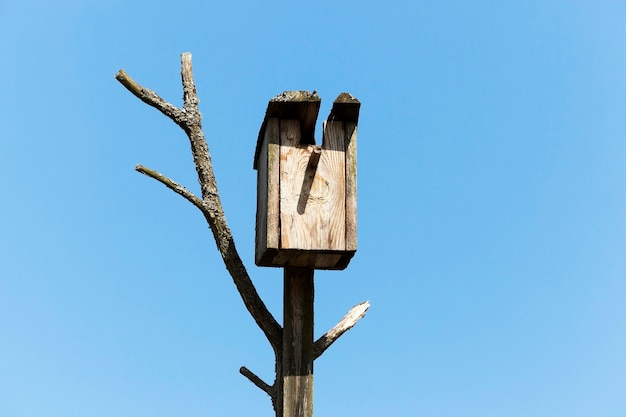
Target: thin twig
pixel 268 389
pixel 150 97
pixel 347 322
pixel 172 185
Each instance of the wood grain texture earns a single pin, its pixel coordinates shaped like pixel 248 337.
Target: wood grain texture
pixel 292 105
pixel 297 357
pixel 350 131
pixel 262 197
pixel 267 220
pixel 321 226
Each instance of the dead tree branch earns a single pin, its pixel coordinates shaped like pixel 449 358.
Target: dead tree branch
pixel 347 322
pixel 190 120
pixel 268 389
pixel 150 97
pixel 172 185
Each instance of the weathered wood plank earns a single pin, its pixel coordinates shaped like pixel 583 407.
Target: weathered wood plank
pixel 273 183
pixel 297 105
pixel 261 205
pixel 350 129
pixel 293 162
pixel 319 224
pixel 332 175
pixel 293 105
pixel 267 220
pixel 312 258
pixel 297 355
pixel 345 108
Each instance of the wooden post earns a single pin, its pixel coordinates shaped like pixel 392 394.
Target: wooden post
pixel 305 220
pixel 297 354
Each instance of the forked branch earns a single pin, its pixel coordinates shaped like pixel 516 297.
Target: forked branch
pixel 190 120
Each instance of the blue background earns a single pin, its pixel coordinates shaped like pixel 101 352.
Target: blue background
pixel 491 207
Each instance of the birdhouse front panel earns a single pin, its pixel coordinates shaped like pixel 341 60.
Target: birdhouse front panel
pixel 312 191
pixel 306 194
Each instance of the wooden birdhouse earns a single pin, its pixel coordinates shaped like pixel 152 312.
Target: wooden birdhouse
pixel 306 194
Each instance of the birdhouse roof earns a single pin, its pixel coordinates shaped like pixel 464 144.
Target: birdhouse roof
pixel 304 107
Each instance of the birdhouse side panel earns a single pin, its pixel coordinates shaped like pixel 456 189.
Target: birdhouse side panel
pixel 350 131
pixel 267 216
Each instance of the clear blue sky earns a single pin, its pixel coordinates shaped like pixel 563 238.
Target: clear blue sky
pixel 492 207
